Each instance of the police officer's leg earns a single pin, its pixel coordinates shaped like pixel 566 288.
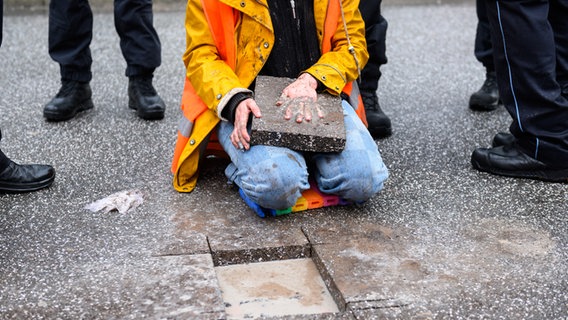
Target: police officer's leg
pixel 375 34
pixel 1 18
pixel 525 60
pixel 139 41
pixel 483 49
pixel 23 178
pixel 558 17
pixel 142 51
pixel 4 161
pixel 70 34
pixel 487 97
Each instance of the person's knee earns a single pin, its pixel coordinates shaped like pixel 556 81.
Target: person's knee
pixel 358 183
pixel 366 181
pixel 374 185
pixel 274 188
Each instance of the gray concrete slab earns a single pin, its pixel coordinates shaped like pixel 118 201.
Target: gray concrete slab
pixel 152 287
pixel 274 288
pixel 324 132
pixel 444 240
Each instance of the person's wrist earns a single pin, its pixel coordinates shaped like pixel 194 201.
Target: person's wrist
pixel 309 79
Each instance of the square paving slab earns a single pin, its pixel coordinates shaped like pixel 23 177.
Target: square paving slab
pixel 275 288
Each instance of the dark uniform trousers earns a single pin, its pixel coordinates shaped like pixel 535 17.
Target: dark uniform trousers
pixel 71 31
pixel 483 48
pixel 1 18
pixel 375 34
pixel 4 161
pixel 530 43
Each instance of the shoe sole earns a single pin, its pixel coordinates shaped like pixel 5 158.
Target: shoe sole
pixel 29 187
pixel 380 132
pixel 54 116
pixel 484 107
pixel 145 115
pixel 549 176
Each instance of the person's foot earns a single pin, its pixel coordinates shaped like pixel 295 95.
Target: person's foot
pixel 503 139
pixel 24 178
pixel 508 161
pixel 487 97
pixel 379 124
pixel 73 97
pixel 143 98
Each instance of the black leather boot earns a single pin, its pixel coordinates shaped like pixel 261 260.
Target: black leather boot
pixel 17 178
pixel 143 98
pixel 379 123
pixel 508 160
pixel 73 97
pixel 503 139
pixel 487 97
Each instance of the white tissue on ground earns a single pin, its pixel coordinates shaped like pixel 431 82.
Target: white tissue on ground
pixel 122 202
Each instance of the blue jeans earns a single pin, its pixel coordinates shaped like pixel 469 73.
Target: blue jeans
pixel 274 177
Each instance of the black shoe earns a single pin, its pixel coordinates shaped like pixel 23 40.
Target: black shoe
pixel 73 97
pixel 23 178
pixel 379 123
pixel 509 161
pixel 143 98
pixel 503 139
pixel 487 97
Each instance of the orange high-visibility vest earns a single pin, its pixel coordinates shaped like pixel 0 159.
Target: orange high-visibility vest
pixel 222 20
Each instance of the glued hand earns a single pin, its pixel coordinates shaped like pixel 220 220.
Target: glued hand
pixel 300 99
pixel 302 108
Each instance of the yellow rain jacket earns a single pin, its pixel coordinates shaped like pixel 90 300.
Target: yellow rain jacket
pixel 228 42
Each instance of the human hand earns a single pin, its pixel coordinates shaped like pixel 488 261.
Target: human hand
pixel 240 136
pixel 301 107
pixel 300 98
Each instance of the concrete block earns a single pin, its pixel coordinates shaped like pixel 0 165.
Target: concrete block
pixel 318 135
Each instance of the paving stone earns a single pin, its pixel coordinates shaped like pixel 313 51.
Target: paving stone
pixel 477 273
pixel 323 316
pixel 248 245
pixel 234 233
pixel 274 288
pixel 182 244
pixel 159 287
pixel 340 230
pixel 387 310
pixel 318 135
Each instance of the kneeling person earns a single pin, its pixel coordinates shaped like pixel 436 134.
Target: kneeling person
pixel 306 42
